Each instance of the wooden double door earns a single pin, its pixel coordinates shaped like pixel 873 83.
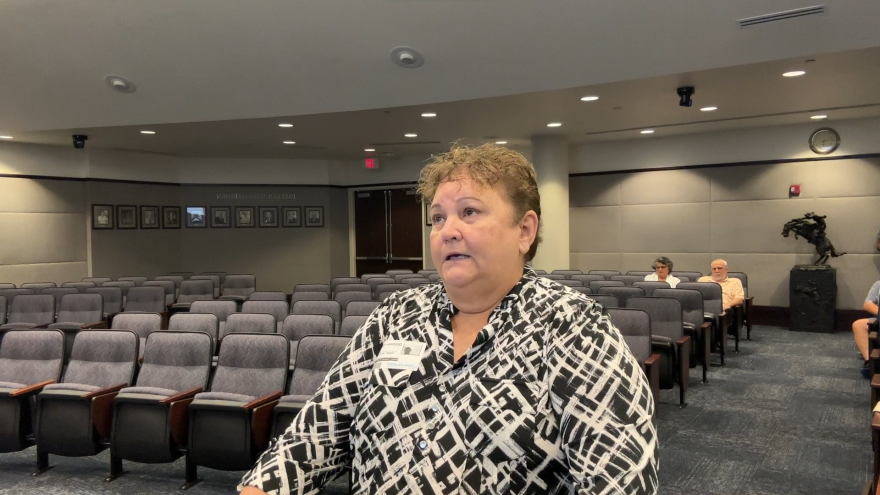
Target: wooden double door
pixel 388 230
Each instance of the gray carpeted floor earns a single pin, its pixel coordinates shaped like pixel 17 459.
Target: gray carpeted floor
pixel 787 415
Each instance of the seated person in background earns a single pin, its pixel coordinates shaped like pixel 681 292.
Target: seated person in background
pixel 860 327
pixel 731 288
pixel 662 267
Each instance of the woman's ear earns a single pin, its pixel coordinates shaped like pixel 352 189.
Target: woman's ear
pixel 528 230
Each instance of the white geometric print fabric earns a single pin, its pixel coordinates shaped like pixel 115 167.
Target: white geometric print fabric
pixel 548 400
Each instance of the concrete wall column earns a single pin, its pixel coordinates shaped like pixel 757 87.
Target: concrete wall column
pixel 550 157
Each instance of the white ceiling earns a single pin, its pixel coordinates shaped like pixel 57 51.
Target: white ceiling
pixel 214 77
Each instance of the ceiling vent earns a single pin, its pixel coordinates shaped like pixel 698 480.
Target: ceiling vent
pixel 781 16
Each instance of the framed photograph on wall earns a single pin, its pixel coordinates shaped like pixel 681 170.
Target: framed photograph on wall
pixel 268 216
pixel 314 216
pixel 170 217
pixel 149 217
pixel 428 220
pixel 102 217
pixel 291 216
pixel 244 217
pixel 196 217
pixel 126 217
pixel 221 217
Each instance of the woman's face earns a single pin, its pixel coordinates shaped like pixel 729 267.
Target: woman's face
pixel 661 270
pixel 474 237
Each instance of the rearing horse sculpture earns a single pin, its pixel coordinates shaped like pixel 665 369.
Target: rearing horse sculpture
pixel 812 228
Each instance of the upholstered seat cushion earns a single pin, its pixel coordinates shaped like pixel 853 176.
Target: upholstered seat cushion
pixel 295 398
pixel 79 387
pixel 165 392
pixel 64 325
pixel 224 396
pixel 12 385
pixel 21 324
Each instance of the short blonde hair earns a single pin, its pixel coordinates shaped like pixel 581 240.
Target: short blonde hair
pixel 491 166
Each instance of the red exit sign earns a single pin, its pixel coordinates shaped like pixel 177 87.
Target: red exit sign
pixel 371 164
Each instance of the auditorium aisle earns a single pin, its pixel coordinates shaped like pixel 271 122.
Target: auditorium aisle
pixel 787 415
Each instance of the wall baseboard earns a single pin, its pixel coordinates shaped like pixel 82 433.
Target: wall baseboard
pixel 778 316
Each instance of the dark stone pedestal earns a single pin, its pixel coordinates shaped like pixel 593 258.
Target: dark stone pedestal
pixel 813 292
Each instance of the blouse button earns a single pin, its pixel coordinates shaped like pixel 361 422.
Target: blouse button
pixel 434 409
pixel 423 444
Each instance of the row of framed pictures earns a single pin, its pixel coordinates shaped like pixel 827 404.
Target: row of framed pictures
pixel 106 217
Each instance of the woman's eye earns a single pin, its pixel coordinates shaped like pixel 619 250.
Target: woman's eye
pixel 436 218
pixel 470 211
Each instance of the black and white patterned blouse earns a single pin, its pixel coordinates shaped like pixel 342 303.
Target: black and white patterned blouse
pixel 549 399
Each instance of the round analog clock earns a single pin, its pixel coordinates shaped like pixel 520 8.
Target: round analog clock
pixel 824 141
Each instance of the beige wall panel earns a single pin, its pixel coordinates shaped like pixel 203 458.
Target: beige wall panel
pixel 853 223
pixel 855 275
pixel 688 262
pixel 756 226
pixel 665 186
pixel 594 190
pixel 594 229
pixel 768 274
pixel 120 253
pixel 337 223
pixel 842 178
pixel 41 196
pixel 44 272
pixel 594 261
pixel 42 238
pixel 671 228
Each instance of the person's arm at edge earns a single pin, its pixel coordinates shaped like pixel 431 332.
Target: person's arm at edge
pixel 634 437
pixel 738 293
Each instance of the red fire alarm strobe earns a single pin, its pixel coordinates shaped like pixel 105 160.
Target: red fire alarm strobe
pixel 794 190
pixel 371 164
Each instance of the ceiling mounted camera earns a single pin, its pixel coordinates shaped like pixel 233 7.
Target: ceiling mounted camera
pixel 684 95
pixel 79 141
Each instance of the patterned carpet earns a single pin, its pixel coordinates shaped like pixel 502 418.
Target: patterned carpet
pixel 788 415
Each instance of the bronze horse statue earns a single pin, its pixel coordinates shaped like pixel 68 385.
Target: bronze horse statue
pixel 812 228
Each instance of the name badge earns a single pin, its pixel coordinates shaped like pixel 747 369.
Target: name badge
pixel 400 355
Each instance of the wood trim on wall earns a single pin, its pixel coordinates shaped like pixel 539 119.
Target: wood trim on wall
pixel 777 316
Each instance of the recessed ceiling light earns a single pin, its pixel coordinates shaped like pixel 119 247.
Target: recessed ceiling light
pixel 589 98
pixel 793 73
pixel 5 137
pixel 289 142
pixel 369 149
pixel 410 135
pixel 648 131
pixel 708 109
pixel 554 124
pixel 148 132
pixel 285 125
pixel 500 142
pixel 819 117
pixel 429 114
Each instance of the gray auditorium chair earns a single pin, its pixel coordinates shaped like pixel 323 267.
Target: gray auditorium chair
pixel 668 340
pixel 7 285
pixel 125 285
pixel 351 324
pixel 28 362
pixel 540 272
pixel 10 294
pixel 250 323
pixel 138 281
pixel 220 309
pixel 58 293
pixel 748 301
pixel 361 308
pixel 416 281
pixel 176 279
pixel 567 273
pixel 215 280
pixel 606 300
pixel 80 286
pixel 640 273
pixel 150 418
pixel 74 417
pixel 400 277
pixel 295 327
pixel 30 311
pixel 193 290
pixel 434 277
pixel 315 355
pixel 554 276
pixel 150 299
pixel 78 312
pixel 713 311
pixel 622 293
pixel 377 281
pixel 391 288
pixel 586 279
pixel 605 273
pixel 635 326
pixel 167 287
pixel 222 276
pixel 230 426
pixel 582 289
pixel 426 272
pixel 693 322
pixel 196 322
pixel 238 287
pixel 3 307
pixel 142 324
pixel 385 295
pixel 38 286
pixel 343 280
pixel 329 308
pixel 308 296
pixel 343 298
pixel 278 309
pixel 570 283
pixel 97 280
pixel 400 271
pixel 112 297
pixel 312 288
pixel 650 287
pixel 628 280
pixel 367 276
pixel 682 278
pixel 598 284
pixel 352 288
pixel 692 276
pixel 268 296
pixel 182 275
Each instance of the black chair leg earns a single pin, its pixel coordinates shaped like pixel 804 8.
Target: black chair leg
pixel 192 474
pixel 115 467
pixel 42 462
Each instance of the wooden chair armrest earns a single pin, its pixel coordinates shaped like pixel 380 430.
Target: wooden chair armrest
pixel 261 424
pixel 31 389
pixel 875 421
pixel 875 354
pixel 653 358
pixel 182 395
pixel 706 324
pixel 749 299
pixel 875 381
pixel 105 391
pixel 94 326
pixel 42 327
pixel 102 414
pixel 262 400
pixel 682 340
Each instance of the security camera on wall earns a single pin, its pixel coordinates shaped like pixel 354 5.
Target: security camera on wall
pixel 79 141
pixel 684 95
